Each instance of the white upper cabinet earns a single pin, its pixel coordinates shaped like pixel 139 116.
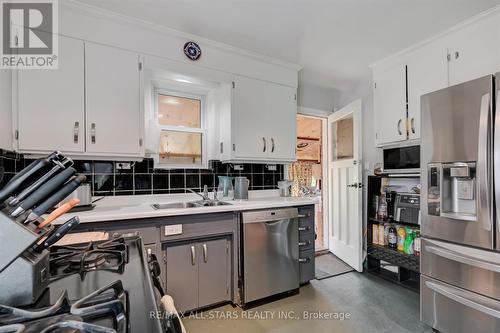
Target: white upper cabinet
pixel 114 118
pixel 50 103
pixel 427 72
pixel 390 104
pixel 262 122
pixel 474 50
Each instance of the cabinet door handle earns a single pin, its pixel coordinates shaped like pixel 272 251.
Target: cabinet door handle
pixel 272 145
pixel 205 253
pixel 92 133
pixel 76 132
pixel 304 260
pixel 193 255
pixel 305 228
pixel 304 243
pixel 399 126
pixel 265 145
pixel 413 125
pixel 457 54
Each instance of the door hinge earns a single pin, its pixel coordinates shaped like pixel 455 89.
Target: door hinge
pixel 140 142
pixel 448 57
pixel 222 147
pixel 227 248
pixel 16 134
pixel 295 97
pixel 233 84
pixel 227 289
pixel 376 135
pixel 375 85
pixel 234 147
pixel 140 65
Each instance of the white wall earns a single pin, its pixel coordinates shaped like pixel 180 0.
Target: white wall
pixel 5 109
pixel 316 97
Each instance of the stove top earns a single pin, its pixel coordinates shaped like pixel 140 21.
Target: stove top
pixel 104 287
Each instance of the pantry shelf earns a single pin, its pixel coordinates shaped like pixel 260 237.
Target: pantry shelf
pixel 408 261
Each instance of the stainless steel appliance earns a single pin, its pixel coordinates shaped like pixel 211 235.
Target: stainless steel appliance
pixel 460 262
pixel 270 252
pixel 407 208
pixel 402 160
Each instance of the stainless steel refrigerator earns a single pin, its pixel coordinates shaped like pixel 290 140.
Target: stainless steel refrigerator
pixel 460 260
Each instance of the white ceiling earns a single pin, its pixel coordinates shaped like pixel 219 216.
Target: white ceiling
pixel 333 40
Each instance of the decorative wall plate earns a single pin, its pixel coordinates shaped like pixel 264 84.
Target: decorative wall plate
pixel 192 51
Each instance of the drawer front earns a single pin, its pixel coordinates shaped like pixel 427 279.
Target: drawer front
pixel 306 267
pixel 197 230
pixel 149 235
pixel 307 219
pixel 470 268
pixel 451 309
pixel 306 240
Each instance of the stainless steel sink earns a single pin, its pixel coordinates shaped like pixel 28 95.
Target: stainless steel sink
pixel 189 204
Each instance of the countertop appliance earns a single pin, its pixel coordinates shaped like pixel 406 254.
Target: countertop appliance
pixel 94 287
pixel 402 160
pixel 460 260
pixel 270 252
pixel 407 208
pixel 241 188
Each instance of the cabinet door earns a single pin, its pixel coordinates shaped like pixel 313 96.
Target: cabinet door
pixel 249 119
pixel 51 103
pixel 214 271
pixel 427 72
pixel 114 119
pixel 390 105
pixel 182 275
pixel 281 122
pixel 475 50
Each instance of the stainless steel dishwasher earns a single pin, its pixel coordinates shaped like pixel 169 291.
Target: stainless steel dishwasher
pixel 270 252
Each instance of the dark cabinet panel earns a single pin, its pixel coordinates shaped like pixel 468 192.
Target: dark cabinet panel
pixel 182 275
pixel 214 272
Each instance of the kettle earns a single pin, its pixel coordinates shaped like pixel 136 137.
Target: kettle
pixel 241 188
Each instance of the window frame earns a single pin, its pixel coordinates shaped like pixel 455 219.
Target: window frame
pixel 202 130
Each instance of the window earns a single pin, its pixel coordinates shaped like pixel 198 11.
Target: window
pixel 182 135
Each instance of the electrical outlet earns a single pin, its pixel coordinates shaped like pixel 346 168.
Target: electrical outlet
pixel 123 166
pixel 272 167
pixel 238 167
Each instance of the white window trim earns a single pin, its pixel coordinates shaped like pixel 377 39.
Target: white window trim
pixel 202 130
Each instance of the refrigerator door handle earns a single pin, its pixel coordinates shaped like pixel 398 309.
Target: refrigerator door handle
pixel 483 163
pixel 476 302
pixel 464 259
pixel 496 156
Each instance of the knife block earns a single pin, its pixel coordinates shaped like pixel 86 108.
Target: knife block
pixel 25 279
pixel 16 238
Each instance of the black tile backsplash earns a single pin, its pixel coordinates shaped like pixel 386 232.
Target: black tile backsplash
pixel 107 178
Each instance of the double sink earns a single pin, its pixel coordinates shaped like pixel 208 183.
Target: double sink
pixel 190 204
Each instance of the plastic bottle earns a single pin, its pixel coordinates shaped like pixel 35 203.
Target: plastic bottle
pixel 416 243
pixel 375 234
pixel 410 235
pixel 392 237
pixel 401 239
pixel 386 233
pixel 382 207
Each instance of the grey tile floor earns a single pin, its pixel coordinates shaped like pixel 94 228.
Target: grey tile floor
pixel 374 305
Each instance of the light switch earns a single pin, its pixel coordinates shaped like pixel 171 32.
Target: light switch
pixel 175 229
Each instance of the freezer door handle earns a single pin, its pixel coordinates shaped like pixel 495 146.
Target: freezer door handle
pixel 483 163
pixel 476 302
pixel 496 157
pixel 464 259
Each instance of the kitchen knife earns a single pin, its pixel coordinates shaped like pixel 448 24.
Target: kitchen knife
pixel 59 233
pixel 44 191
pixel 59 211
pixel 57 197
pixel 66 162
pixel 15 183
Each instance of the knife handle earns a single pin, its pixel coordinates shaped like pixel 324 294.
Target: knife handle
pixel 47 189
pixel 59 195
pixel 15 183
pixel 59 233
pixel 58 212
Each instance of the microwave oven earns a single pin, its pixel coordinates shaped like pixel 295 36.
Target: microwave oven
pixel 402 160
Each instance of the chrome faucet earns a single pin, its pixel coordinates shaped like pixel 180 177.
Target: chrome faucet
pixel 204 195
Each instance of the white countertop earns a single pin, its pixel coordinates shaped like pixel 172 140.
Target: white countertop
pixel 139 206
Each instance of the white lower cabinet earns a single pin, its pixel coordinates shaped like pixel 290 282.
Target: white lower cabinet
pixel 89 106
pixel 51 105
pixel 262 122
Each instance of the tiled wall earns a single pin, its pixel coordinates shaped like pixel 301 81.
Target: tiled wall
pixel 142 178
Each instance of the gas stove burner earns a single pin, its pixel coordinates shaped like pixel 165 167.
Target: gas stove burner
pixel 67 260
pixel 106 305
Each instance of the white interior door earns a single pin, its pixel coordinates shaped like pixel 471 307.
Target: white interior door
pixel 344 184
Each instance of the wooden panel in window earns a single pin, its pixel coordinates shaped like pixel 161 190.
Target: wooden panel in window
pixel 179 111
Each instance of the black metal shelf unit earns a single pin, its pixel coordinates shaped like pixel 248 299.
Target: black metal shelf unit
pixel 400 268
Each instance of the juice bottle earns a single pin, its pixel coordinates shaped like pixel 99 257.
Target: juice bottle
pixel 401 239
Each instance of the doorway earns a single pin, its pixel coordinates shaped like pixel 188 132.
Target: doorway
pixel 309 173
